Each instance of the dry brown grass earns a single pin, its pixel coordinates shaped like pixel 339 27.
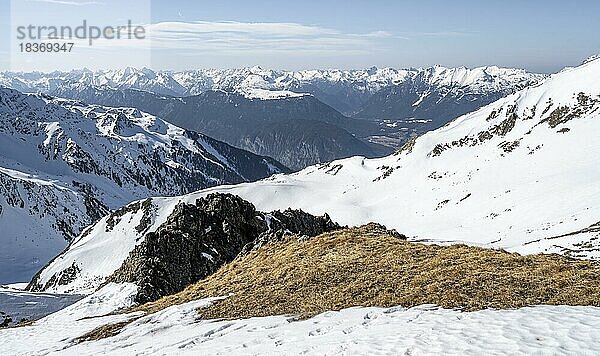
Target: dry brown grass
pixel 19 324
pixel 367 267
pixel 104 331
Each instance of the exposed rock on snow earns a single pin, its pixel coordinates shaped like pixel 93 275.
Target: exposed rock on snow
pixel 467 182
pixel 371 266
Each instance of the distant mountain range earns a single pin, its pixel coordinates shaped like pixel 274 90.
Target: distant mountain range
pixel 345 90
pixel 65 164
pixel 336 113
pixel 520 174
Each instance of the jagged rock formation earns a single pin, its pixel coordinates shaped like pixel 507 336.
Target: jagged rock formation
pixel 194 240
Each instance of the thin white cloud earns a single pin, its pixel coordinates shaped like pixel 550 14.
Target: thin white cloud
pixel 247 38
pixel 456 33
pixel 263 37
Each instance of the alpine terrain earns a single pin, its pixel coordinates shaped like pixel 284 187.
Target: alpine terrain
pixel 496 178
pixel 64 165
pixel 327 114
pixel 213 272
pixel 519 174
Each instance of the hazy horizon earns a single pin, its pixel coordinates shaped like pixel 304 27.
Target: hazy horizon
pixel 574 64
pixel 315 34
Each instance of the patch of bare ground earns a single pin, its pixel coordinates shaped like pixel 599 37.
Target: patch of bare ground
pixel 370 266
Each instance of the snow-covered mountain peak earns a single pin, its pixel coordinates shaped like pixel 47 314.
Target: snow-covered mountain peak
pixel 64 164
pixel 196 81
pixel 480 78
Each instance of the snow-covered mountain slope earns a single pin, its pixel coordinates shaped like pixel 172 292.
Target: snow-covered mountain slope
pixel 84 316
pixel 63 165
pixel 345 90
pixel 440 94
pixel 297 130
pixel 520 174
pixel 424 329
pixel 247 107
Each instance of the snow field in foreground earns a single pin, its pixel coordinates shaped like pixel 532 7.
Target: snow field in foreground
pixel 426 329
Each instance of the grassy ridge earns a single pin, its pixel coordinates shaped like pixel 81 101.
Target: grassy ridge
pixel 369 266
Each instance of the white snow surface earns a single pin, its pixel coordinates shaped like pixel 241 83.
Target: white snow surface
pixel 264 94
pixel 56 331
pixel 422 330
pixel 100 251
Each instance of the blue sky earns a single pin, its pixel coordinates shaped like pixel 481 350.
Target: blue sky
pixel 541 36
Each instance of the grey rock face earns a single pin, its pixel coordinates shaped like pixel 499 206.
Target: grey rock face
pixel 290 222
pixel 199 238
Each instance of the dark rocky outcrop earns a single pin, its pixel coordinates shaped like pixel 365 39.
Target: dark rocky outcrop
pixel 290 222
pixel 198 238
pixel 5 320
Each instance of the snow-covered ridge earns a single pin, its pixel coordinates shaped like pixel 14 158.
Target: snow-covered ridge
pixel 64 164
pixel 591 58
pixel 216 230
pixel 519 174
pixel 264 94
pixel 192 82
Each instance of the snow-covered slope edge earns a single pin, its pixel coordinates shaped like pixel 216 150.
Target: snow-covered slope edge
pixel 519 174
pixel 63 165
pixel 163 248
